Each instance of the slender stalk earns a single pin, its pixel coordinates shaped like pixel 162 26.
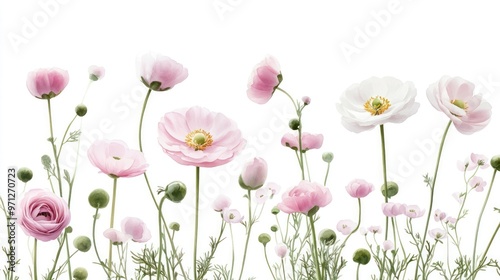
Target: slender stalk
pixel 54 150
pixel 34 260
pixel 357 271
pixel 232 251
pixel 268 265
pixel 197 206
pixel 283 267
pixel 111 224
pixel 327 172
pixel 249 228
pixel 160 226
pixel 315 251
pixel 386 199
pixel 483 259
pixel 101 263
pixel 53 270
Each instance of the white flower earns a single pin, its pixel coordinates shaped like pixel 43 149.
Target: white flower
pixel 377 101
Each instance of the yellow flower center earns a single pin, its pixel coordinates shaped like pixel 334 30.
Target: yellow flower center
pixel 460 104
pixel 117 158
pixel 199 139
pixel 377 105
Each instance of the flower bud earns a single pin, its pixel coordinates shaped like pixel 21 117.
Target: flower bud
pixel 327 237
pixel 392 189
pixel 81 110
pixel 495 162
pixel 254 174
pixel 327 157
pixel 274 228
pixel 96 72
pixel 80 273
pixel 99 198
pixel 82 243
pixel 264 238
pixel 68 229
pixel 24 174
pixel 306 100
pixel 275 210
pixel 175 191
pixel 294 124
pixel 174 226
pixel 361 256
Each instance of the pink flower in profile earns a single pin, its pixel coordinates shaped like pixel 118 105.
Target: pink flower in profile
pixel 281 250
pixel 437 234
pixel 232 216
pixel 47 83
pixel 306 100
pixel 391 209
pixel 96 72
pixel 477 183
pixel 264 80
pixel 199 137
pixel 346 226
pixel 413 211
pixel 116 236
pixel 455 97
pixel 309 141
pixel 221 202
pixel 439 215
pixel 387 245
pixel 254 174
pixel 114 158
pixel 304 197
pixel 136 228
pixel 374 229
pixel 359 188
pixel 273 188
pixel 159 72
pixel 480 160
pixel 450 220
pixel 42 214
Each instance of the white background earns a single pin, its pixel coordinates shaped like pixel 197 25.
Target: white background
pixel 220 41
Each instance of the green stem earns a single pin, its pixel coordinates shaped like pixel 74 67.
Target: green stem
pixel 268 265
pixel 54 150
pixel 283 267
pixel 431 202
pixel 327 172
pixel 142 117
pixel 386 199
pixel 70 272
pixel 483 259
pixel 64 137
pixel 34 260
pixel 249 228
pixel 357 271
pixel 197 206
pixel 101 263
pixel 160 226
pixel 315 249
pixel 232 251
pixel 111 224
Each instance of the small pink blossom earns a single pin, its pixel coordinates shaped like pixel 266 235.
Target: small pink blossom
pixel 309 141
pixel 304 197
pixel 413 211
pixel 363 231
pixel 221 202
pixel 450 220
pixel 375 229
pixel 254 174
pixel 159 72
pixel 437 233
pixel 96 72
pixel 47 83
pixel 359 188
pixel 391 209
pixel 306 100
pixel 232 216
pixel 458 196
pixel 136 228
pixel 439 215
pixel 387 245
pixel 346 226
pixel 264 80
pixel 455 97
pixel 273 187
pixel 477 183
pixel 480 160
pixel 116 236
pixel 261 195
pixel 281 250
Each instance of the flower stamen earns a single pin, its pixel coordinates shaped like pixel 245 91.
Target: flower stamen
pixel 377 105
pixel 199 139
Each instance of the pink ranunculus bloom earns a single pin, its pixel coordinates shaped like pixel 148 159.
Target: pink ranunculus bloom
pixel 264 80
pixel 346 226
pixel 159 72
pixel 221 202
pixel 42 214
pixel 281 250
pixel 439 215
pixel 455 97
pixel 232 216
pixel 437 234
pixel 199 137
pixel 391 209
pixel 477 183
pixel 413 211
pixel 387 245
pixel 96 72
pixel 375 229
pixel 377 101
pixel 136 228
pixel 480 160
pixel 47 83
pixel 254 174
pixel 304 197
pixel 116 236
pixel 309 141
pixel 114 158
pixel 359 188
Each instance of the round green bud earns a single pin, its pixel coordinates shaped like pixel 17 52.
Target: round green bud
pixel 327 157
pixel 294 124
pixel 68 229
pixel 174 226
pixel 175 191
pixel 327 237
pixel 392 189
pixel 99 198
pixel 264 238
pixel 274 228
pixel 362 256
pixel 80 273
pixel 82 243
pixel 275 210
pixel 24 174
pixel 81 110
pixel 495 163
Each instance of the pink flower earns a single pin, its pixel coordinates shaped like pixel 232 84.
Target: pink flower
pixel 413 211
pixel 377 101
pixel 306 100
pixel 305 197
pixel 437 233
pixel 374 229
pixel 454 97
pixel 346 226
pixel 96 72
pixel 42 214
pixel 458 197
pixel 309 141
pixel 477 183
pixel 232 216
pixel 47 83
pixel 264 80
pixel 273 188
pixel 480 160
pixel 387 245
pixel 439 215
pixel 261 195
pixel 116 236
pixel 198 137
pixel 391 209
pixel 160 73
pixel 114 158
pixel 450 220
pixel 221 202
pixel 359 188
pixel 281 250
pixel 254 174
pixel 136 228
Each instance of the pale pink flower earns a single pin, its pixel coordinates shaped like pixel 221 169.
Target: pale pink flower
pixel 466 165
pixel 413 211
pixel 281 250
pixel 387 245
pixel 159 72
pixel 304 197
pixel 96 72
pixel 254 174
pixel 439 215
pixel 199 137
pixel 392 209
pixel 264 80
pixel 261 195
pixel 455 97
pixel 375 229
pixel 273 187
pixel 363 231
pixel 359 188
pixel 480 160
pixel 116 236
pixel 114 158
pixel 136 228
pixel 377 101
pixel 437 233
pixel 346 226
pixel 232 216
pixel 309 141
pixel 47 83
pixel 42 214
pixel 458 196
pixel 450 220
pixel 221 202
pixel 477 183
pixel 306 100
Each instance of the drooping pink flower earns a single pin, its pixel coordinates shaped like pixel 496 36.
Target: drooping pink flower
pixel 96 72
pixel 136 228
pixel 377 101
pixel 264 80
pixel 232 216
pixel 221 202
pixel 477 183
pixel 359 188
pixel 413 211
pixel 375 229
pixel 480 160
pixel 116 236
pixel 391 209
pixel 437 233
pixel 304 197
pixel 387 245
pixel 281 250
pixel 159 72
pixel 439 215
pixel 346 226
pixel 114 158
pixel 254 174
pixel 455 97
pixel 47 83
pixel 199 137
pixel 42 214
pixel 309 141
